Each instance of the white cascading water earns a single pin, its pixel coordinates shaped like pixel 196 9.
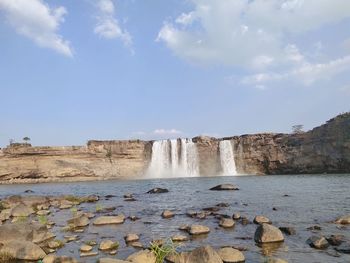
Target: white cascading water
pixel 227 158
pixel 166 160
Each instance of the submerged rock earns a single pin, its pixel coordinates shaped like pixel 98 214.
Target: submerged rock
pixel 266 233
pixel 344 248
pixel 143 256
pixel 201 255
pixel 231 255
pixel 158 191
pixel 317 242
pixel 198 230
pixel 288 230
pixel 335 240
pixel 106 220
pixel 108 245
pixel 167 214
pixel 131 238
pixel 344 220
pixel 111 260
pixel 224 187
pixel 227 223
pixel 179 238
pixel 80 220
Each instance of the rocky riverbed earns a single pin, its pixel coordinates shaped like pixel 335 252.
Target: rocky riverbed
pixel 205 223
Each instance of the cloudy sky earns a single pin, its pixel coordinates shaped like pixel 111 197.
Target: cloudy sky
pixel 117 69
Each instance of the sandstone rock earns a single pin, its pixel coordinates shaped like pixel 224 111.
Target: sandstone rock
pixel 158 191
pixel 231 255
pixel 198 230
pixel 266 233
pixel 136 244
pixel 335 240
pixel 344 220
pixel 184 227
pixel 261 220
pixel 23 250
pixel 88 254
pixel 236 216
pixel 131 238
pixel 317 242
pixel 224 187
pixel 79 220
pixel 276 260
pixel 314 228
pixel 71 238
pixel 86 248
pixel 55 244
pixel 288 230
pixel 167 214
pixel 57 259
pixel 143 256
pixel 43 212
pixel 65 204
pixel 108 245
pixel 111 260
pixel 227 223
pixel 22 210
pixel 92 198
pixel 179 238
pixel 106 220
pixel 201 255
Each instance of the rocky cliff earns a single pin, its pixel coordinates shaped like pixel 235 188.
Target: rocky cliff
pixel 325 149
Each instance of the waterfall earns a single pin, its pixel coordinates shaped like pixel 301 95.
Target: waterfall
pixel 227 158
pixel 167 160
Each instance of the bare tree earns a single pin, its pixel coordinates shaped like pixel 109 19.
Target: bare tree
pixel 297 129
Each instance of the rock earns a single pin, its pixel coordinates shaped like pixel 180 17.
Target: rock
pixel 131 238
pixel 226 223
pixel 65 204
pixel 184 227
pixel 92 198
pixel 128 195
pixel 231 255
pixel 335 240
pixel 236 216
pixel 344 220
pixel 106 220
pixel 167 214
pixel 198 230
pixel 317 242
pixel 22 210
pixel 55 244
pixel 108 245
pixel 136 244
pixel 80 220
pixel 158 191
pixel 288 230
pixel 224 187
pixel 313 228
pixel 202 254
pixel 23 250
pixel 266 233
pixel 71 238
pixel 261 220
pixel 344 248
pixel 86 248
pixel 143 256
pixel 179 238
pixel 212 209
pixel 276 260
pixel 88 254
pixel 111 260
pixel 244 220
pixel 57 259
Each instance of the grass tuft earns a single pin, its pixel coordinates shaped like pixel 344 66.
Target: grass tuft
pixel 161 251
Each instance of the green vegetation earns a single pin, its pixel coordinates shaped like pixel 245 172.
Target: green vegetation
pixel 2 206
pixel 161 251
pixel 90 243
pixel 74 199
pixel 99 208
pixel 42 219
pixel 74 210
pixel 115 245
pixel 6 257
pixel 22 219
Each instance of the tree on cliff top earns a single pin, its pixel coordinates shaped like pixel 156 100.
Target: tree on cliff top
pixel 26 139
pixel 298 128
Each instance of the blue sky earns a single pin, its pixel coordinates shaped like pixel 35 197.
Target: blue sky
pixel 71 71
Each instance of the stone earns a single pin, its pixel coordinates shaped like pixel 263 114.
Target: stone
pixel 236 216
pixel 21 210
pixel 318 242
pixel 111 260
pixel 167 214
pixel 108 245
pixel 184 227
pixel 86 248
pixel 276 260
pixel 65 204
pixel 106 220
pixel 335 240
pixel 266 233
pixel 43 212
pixel 224 187
pixel 179 238
pixel 202 254
pixel 80 220
pixel 55 244
pixel 261 220
pixel 136 244
pixel 158 191
pixel 92 198
pixel 344 248
pixel 88 254
pixel 131 238
pixel 143 256
pixel 227 223
pixel 314 228
pixel 23 250
pixel 288 230
pixel 344 220
pixel 198 230
pixel 231 255
pixel 57 259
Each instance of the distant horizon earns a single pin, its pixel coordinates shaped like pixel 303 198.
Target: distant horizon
pixel 105 69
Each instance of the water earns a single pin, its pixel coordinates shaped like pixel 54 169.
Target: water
pixel 312 199
pixel 227 158
pixel 167 162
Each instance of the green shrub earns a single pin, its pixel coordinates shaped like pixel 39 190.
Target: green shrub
pixel 161 251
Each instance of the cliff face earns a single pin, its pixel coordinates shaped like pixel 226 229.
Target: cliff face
pixel 325 149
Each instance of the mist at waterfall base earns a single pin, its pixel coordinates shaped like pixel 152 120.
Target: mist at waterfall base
pixel 179 158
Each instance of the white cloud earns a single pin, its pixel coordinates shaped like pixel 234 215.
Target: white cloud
pixel 158 134
pixel 36 20
pixel 166 132
pixel 245 33
pixel 108 26
pixel 306 73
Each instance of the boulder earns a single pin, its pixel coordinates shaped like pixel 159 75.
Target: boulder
pixel 236 216
pixel 58 259
pixel 227 223
pixel 131 238
pixel 261 220
pixel 21 210
pixel 179 238
pixel 23 250
pixel 167 214
pixel 224 187
pixel 202 254
pixel 86 248
pixel 198 230
pixel 266 233
pixel 111 260
pixel 318 242
pixel 107 220
pixel 344 220
pixel 80 220
pixel 158 191
pixel 231 255
pixel 288 230
pixel 108 245
pixel 143 256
